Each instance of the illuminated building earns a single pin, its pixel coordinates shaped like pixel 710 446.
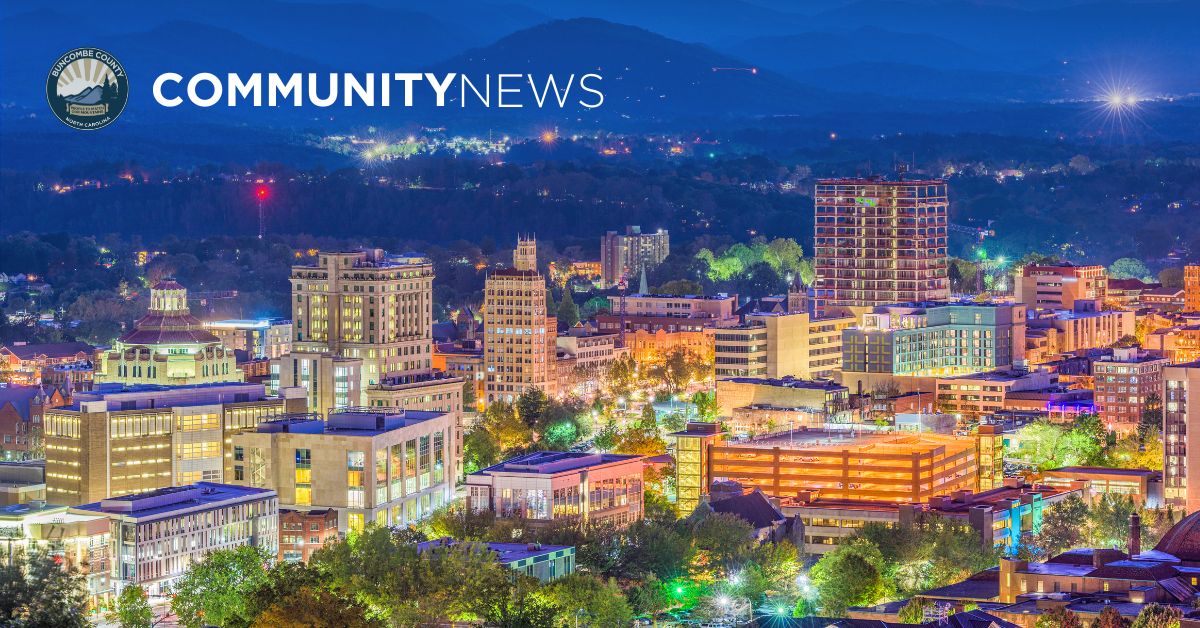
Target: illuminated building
pixel 328 380
pixel 983 393
pixel 998 516
pixel 989 443
pixel 816 400
pixel 1181 443
pixel 390 467
pixel 74 540
pixel 649 346
pixel 536 560
pixel 1178 344
pixel 262 338
pixel 367 306
pixel 547 486
pixel 1058 286
pixel 1124 383
pixel 1144 486
pixel 302 532
pixel 584 359
pixel 655 324
pixel 31 364
pixel 155 536
pixel 809 463
pixel 437 391
pixel 692 455
pixel 168 346
pixel 21 411
pixel 878 242
pixel 118 440
pixel 1070 331
pixel 1191 288
pixel 463 359
pixel 627 255
pixel 519 335
pixel 931 340
pixel 780 345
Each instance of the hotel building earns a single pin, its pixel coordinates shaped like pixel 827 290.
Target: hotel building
pixel 547 486
pixel 781 345
pixel 519 347
pixel 119 440
pixel 168 346
pixel 627 255
pixel 382 465
pixel 879 242
pixel 156 536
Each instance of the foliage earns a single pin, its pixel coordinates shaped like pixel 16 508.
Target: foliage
pixel 1128 268
pixel 724 538
pixel 850 575
pixel 914 611
pixel 37 592
pixel 216 590
pixel 643 437
pixel 654 549
pixel 650 597
pixel 1110 617
pixel 1060 617
pixel 607 437
pixel 1049 445
pixel 596 601
pixel 1157 616
pixel 132 610
pixel 706 405
pixel 568 312
pixel 457 521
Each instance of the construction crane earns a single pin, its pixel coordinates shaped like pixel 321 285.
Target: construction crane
pixel 980 233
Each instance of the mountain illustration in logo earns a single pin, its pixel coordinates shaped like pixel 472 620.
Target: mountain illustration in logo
pixel 89 96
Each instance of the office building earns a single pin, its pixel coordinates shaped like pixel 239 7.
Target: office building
pixel 519 334
pixel 168 346
pixel 1127 383
pixel 624 256
pixel 370 311
pixel 1181 443
pixel 544 562
pixel 155 536
pixel 267 338
pixel 547 486
pixel 1058 286
pixel 999 516
pixel 120 440
pixel 1191 288
pixel 878 242
pixel 781 345
pixel 979 394
pixel 302 532
pixel 1144 486
pixel 380 465
pixel 931 340
pixel 814 401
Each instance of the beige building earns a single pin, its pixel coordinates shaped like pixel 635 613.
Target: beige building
pixel 168 346
pixel 119 440
pixel 984 393
pixel 1057 287
pixel 391 467
pixel 328 380
pixel 261 338
pixel 819 398
pixel 1067 332
pixel 519 347
pixel 1191 288
pixel 781 345
pixel 365 305
pixel 625 256
pixel 439 392
pixel 1181 442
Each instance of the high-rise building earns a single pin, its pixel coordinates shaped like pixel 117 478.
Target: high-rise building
pixel 366 305
pixel 168 346
pixel 519 346
pixel 1181 410
pixel 391 467
pixel 1191 288
pixel 627 255
pixel 1127 383
pixel 879 242
pixel 118 440
pixel 1058 286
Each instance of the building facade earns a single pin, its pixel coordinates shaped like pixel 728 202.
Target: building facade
pixel 781 345
pixel 372 465
pixel 519 346
pixel 624 256
pixel 156 536
pixel 33 364
pixel 168 346
pixel 268 338
pixel 1058 286
pixel 302 532
pixel 1191 288
pixel 121 440
pixel 878 242
pixel 1128 383
pixel 1181 442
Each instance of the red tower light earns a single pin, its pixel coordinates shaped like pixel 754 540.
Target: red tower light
pixel 262 192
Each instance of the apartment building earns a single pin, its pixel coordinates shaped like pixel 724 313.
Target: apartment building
pixel 781 345
pixel 1181 443
pixel 1059 286
pixel 624 256
pixel 1127 383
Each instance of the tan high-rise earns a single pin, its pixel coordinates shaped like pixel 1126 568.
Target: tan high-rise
pixel 519 334
pixel 1191 288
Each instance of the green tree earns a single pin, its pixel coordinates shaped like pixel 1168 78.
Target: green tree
pixel 506 426
pixel 1158 616
pixel 1109 520
pixel 215 590
pixel 706 405
pixel 532 405
pixel 37 592
pixel 1152 416
pixel 681 287
pixel 851 575
pixel 913 612
pixel 568 312
pixel 1128 268
pixel 650 598
pixel 607 437
pixel 601 601
pixel 1060 617
pixel 622 376
pixel 724 538
pixel 1110 617
pixel 457 521
pixel 654 549
pixel 132 610
pixel 1062 527
pixel 480 450
pixel 643 437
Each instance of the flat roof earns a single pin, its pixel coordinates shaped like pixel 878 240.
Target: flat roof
pixel 787 382
pixel 821 440
pixel 553 462
pixel 1105 471
pixel 505 552
pixel 164 501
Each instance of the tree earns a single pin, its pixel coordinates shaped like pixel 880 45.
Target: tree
pixel 1171 277
pixel 681 287
pixel 598 602
pixel 215 591
pixel 568 312
pixel 706 405
pixel 851 575
pixel 606 438
pixel 642 438
pixel 457 521
pixel 531 407
pixel 723 537
pixel 622 376
pixel 37 592
pixel 1060 617
pixel 914 611
pixel 132 610
pixel 1128 268
pixel 1061 526
pixel 650 598
pixel 1109 520
pixel 654 549
pixel 1110 617
pixel 480 450
pixel 504 424
pixel 1157 616
pixel 1152 416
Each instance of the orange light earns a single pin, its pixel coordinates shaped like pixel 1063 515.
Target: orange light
pixel 549 136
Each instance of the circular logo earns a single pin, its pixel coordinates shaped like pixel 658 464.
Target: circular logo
pixel 87 89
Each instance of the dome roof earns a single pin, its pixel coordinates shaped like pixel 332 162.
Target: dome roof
pixel 1183 539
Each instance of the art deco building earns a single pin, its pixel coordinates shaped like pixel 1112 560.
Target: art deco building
pixel 519 335
pixel 879 242
pixel 168 346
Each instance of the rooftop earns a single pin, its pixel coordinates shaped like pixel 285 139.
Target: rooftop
pixel 165 501
pixel 553 462
pixel 347 422
pixel 788 382
pixel 54 350
pixel 505 552
pixel 1106 471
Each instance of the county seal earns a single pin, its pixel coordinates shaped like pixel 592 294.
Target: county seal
pixel 87 89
